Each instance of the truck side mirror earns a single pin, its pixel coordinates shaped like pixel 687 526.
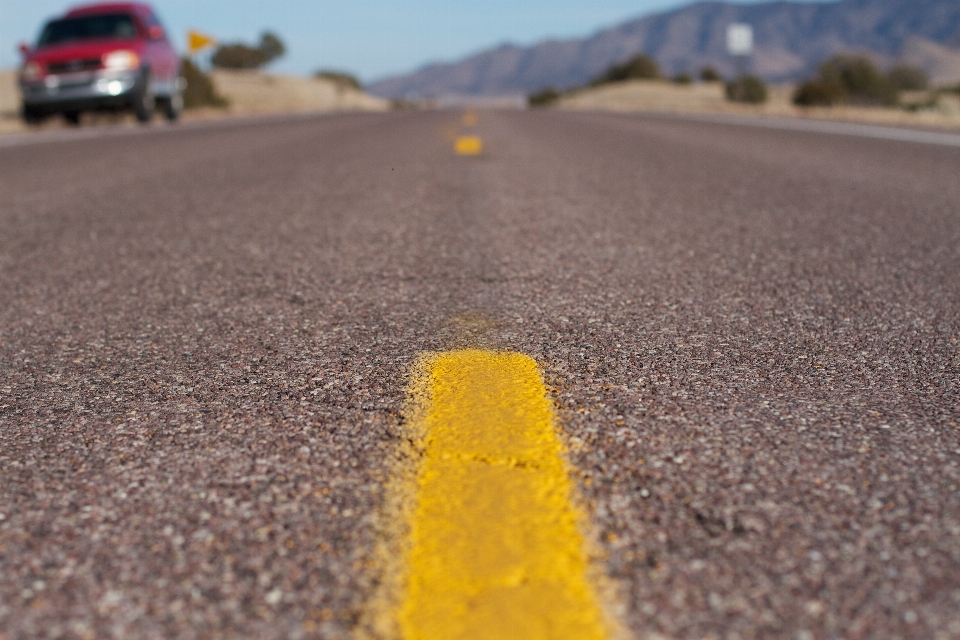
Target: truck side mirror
pixel 156 32
pixel 24 48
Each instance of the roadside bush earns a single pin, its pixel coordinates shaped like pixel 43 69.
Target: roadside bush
pixel 709 74
pixel 847 79
pixel 683 78
pixel 639 67
pixel 909 78
pixel 865 85
pixel 241 56
pixel 199 91
pixel 543 98
pixel 271 46
pixel 817 93
pixel 341 79
pixel 747 89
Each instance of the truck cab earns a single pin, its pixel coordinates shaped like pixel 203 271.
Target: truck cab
pixel 113 56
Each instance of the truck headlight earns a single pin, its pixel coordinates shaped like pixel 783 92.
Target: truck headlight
pixel 121 60
pixel 32 71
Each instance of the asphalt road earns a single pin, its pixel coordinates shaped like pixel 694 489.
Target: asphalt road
pixel 751 335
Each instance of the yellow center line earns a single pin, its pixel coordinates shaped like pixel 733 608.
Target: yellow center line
pixel 468 146
pixel 494 549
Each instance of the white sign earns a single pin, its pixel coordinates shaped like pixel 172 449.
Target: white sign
pixel 739 39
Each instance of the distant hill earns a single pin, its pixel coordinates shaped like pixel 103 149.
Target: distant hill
pixel 791 39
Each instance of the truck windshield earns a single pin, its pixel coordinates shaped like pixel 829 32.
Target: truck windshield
pixel 106 26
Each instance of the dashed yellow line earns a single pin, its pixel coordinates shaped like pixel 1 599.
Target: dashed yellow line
pixel 494 549
pixel 468 145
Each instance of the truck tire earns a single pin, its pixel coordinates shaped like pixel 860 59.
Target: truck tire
pixel 171 106
pixel 144 103
pixel 31 115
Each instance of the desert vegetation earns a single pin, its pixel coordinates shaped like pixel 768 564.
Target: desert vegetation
pixel 744 89
pixel 853 84
pixel 747 89
pixel 544 97
pixel 200 90
pixel 242 56
pixel 710 74
pixel 639 67
pixel 342 79
pixel 856 80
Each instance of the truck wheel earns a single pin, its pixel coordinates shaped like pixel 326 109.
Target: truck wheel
pixel 31 115
pixel 172 106
pixel 72 118
pixel 143 101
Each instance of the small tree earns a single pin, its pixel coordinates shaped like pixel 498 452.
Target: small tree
pixel 199 91
pixel 639 67
pixel 817 93
pixel 242 56
pixel 543 98
pixel 908 78
pixel 340 78
pixel 852 79
pixel 864 84
pixel 271 47
pixel 709 74
pixel 747 89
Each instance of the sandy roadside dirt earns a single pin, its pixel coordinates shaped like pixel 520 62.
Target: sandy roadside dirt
pixel 251 92
pixel 247 92
pixel 645 95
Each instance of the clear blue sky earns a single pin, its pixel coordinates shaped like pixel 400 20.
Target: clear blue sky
pixel 371 38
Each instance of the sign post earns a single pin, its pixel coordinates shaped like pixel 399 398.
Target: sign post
pixel 740 45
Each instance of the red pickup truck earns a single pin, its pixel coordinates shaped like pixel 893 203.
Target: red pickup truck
pixel 102 56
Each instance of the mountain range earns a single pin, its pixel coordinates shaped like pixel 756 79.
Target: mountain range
pixel 791 39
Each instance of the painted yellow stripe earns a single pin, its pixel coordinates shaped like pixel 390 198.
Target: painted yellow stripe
pixel 468 146
pixel 494 550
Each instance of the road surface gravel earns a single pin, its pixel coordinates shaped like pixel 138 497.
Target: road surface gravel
pixel 751 335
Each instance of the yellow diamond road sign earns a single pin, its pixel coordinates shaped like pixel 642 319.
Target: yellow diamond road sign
pixel 197 41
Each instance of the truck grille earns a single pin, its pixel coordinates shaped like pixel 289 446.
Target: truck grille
pixel 70 66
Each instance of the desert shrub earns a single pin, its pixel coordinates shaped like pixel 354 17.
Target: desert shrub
pixel 683 78
pixel 908 78
pixel 271 46
pixel 709 74
pixel 748 89
pixel 817 93
pixel 199 91
pixel 639 67
pixel 339 78
pixel 865 85
pixel 402 104
pixel 543 98
pixel 242 56
pixel 931 102
pixel 852 79
pixel 237 56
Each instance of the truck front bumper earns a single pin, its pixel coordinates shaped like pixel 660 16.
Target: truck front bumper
pixel 81 91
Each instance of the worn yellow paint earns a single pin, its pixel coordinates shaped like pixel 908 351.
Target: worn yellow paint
pixel 495 549
pixel 468 145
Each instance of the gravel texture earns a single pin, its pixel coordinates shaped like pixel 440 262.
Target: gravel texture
pixel 751 335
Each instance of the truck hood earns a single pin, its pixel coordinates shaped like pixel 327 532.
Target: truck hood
pixel 83 50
